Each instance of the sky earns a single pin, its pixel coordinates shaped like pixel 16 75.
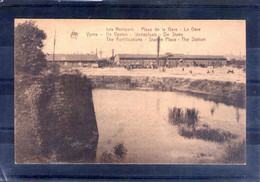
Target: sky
pixel 216 37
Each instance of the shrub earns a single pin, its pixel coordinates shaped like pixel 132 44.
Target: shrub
pixel 187 122
pixel 115 156
pixel 28 44
pixel 189 117
pixel 54 67
pixel 185 132
pixel 107 158
pixel 64 117
pixel 120 151
pixel 236 153
pixel 176 116
pixel 207 134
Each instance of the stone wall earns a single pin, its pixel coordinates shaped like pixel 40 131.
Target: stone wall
pixel 62 127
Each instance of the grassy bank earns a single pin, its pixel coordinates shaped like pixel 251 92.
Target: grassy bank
pixel 230 93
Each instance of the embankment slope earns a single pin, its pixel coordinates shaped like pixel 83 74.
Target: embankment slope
pixel 230 93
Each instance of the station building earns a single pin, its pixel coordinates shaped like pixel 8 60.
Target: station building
pixel 77 60
pixel 172 60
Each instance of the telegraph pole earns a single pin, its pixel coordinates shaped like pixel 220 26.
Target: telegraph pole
pixel 100 53
pixel 54 43
pixel 158 51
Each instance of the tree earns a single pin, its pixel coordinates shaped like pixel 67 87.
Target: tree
pixel 29 57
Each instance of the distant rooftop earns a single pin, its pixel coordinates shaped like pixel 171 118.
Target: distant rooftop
pixel 72 57
pixel 170 56
pixel 140 56
pixel 198 57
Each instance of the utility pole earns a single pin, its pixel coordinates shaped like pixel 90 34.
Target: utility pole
pixel 54 43
pixel 158 50
pixel 100 53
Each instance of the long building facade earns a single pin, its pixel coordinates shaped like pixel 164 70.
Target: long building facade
pixel 137 60
pixel 77 60
pixel 153 61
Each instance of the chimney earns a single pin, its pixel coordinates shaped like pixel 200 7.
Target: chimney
pixel 158 50
pixel 158 47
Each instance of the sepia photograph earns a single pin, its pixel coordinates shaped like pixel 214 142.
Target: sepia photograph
pixel 110 91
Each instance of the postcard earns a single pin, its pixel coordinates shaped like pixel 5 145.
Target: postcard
pixel 110 91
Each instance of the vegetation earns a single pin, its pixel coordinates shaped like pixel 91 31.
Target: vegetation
pixel 235 153
pixel 120 151
pixel 53 121
pixel 66 121
pixel 188 117
pixel 230 93
pixel 54 114
pixel 28 44
pixel 208 134
pixel 176 116
pixel 188 126
pixel 29 63
pixel 116 156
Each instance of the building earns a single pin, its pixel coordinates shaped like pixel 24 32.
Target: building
pixel 169 60
pixel 236 63
pixel 195 60
pixel 137 60
pixel 77 60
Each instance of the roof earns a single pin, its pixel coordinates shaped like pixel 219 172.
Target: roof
pixel 72 57
pixel 172 56
pixel 138 56
pixel 199 57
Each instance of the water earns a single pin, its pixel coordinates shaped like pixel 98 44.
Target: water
pixel 139 121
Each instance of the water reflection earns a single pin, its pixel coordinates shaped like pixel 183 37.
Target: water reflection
pixel 212 110
pixel 237 114
pixel 158 104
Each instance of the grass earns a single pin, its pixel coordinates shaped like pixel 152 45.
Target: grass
pixel 207 134
pixel 235 153
pixel 189 117
pixel 187 121
pixel 120 151
pixel 176 116
pixel 116 156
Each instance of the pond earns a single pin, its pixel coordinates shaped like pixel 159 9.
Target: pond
pixel 138 121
